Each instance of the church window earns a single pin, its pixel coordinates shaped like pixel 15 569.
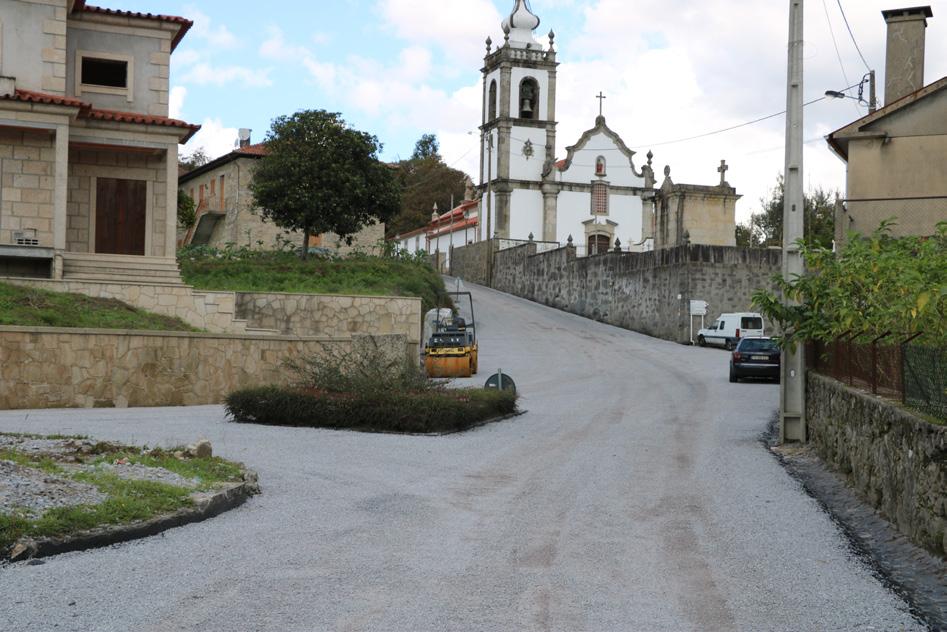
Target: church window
pixel 600 166
pixel 529 98
pixel 493 101
pixel 599 198
pixel 599 244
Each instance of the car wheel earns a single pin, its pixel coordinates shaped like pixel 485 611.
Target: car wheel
pixel 733 376
pixel 728 345
pixel 701 341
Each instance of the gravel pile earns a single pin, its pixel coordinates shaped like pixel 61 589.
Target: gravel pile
pixel 35 492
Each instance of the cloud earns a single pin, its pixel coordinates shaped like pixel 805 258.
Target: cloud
pixel 204 29
pixel 277 48
pixel 208 74
pixel 176 101
pixel 215 139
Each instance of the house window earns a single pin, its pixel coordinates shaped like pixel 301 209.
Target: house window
pixel 600 166
pixel 529 98
pixel 599 244
pixel 104 73
pixel 202 193
pixel 213 187
pixel 599 198
pixel 222 193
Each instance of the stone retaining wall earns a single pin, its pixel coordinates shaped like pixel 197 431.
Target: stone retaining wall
pixel 75 368
pixel 472 263
pixel 648 292
pixel 331 315
pixel 896 460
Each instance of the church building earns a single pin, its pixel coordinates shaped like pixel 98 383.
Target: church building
pixel 601 196
pixel 595 195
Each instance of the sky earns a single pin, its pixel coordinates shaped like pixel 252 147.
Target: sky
pixel 671 69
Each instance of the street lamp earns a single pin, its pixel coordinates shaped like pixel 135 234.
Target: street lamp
pixel 872 101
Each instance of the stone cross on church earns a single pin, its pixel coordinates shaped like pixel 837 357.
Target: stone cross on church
pixel 601 101
pixel 722 170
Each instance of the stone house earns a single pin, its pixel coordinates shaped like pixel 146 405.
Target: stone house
pixel 897 156
pixel 227 214
pixel 88 153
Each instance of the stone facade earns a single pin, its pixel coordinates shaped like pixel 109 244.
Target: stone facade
pixel 84 95
pixel 103 368
pixel 894 459
pixel 27 169
pixel 227 214
pixel 647 292
pixel 694 214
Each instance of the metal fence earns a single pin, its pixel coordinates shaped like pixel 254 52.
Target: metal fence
pixel 913 373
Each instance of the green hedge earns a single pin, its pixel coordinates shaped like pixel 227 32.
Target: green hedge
pixel 444 410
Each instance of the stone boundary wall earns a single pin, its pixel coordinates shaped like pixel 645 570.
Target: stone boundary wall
pixel 83 368
pixel 331 315
pixel 647 292
pixel 896 460
pixel 472 262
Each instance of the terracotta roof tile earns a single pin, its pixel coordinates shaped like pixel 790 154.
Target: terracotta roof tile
pixel 142 119
pixel 28 96
pixel 252 150
pixel 184 23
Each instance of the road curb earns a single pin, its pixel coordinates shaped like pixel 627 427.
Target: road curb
pixel 206 506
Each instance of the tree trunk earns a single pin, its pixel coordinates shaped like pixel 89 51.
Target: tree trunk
pixel 305 254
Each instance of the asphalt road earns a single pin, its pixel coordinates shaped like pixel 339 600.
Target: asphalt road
pixel 634 495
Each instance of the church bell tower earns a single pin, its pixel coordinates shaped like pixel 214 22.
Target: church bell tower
pixel 518 131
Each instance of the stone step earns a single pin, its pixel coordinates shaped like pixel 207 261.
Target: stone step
pixel 112 266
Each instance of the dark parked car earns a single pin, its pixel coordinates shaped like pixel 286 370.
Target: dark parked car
pixel 755 357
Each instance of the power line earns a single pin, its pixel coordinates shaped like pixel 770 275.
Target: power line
pixel 838 54
pixel 849 27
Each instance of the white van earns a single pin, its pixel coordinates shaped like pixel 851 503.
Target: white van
pixel 729 328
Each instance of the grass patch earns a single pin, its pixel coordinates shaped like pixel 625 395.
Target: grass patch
pixel 31 307
pixel 209 471
pixel 128 501
pixel 247 270
pixel 447 410
pixel 37 461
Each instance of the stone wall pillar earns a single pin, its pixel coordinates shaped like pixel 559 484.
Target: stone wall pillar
pixel 61 188
pixel 502 227
pixel 171 206
pixel 550 211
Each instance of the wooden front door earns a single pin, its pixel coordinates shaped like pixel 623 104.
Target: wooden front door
pixel 599 244
pixel 120 216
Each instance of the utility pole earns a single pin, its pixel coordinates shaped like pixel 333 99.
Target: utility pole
pixel 792 408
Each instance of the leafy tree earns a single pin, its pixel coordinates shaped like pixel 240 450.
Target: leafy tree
pixel 197 158
pixel 875 285
pixel 321 176
pixel 766 227
pixel 425 180
pixel 427 147
pixel 187 210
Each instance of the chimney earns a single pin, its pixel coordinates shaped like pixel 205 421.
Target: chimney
pixel 904 63
pixel 243 136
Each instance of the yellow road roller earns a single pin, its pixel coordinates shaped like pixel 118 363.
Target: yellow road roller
pixel 451 350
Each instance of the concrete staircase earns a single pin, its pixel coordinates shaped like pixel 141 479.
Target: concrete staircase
pixel 120 269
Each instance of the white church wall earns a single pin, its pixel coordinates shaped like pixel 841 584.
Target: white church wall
pixel 574 208
pixel 542 78
pixel 482 213
pixel 626 210
pixel 618 170
pixel 526 214
pixel 521 167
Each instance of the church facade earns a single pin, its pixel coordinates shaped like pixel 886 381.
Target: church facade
pixel 595 195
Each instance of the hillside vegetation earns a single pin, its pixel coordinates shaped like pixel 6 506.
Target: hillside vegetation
pixel 31 307
pixel 243 270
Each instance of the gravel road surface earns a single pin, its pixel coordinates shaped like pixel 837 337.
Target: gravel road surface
pixel 634 495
